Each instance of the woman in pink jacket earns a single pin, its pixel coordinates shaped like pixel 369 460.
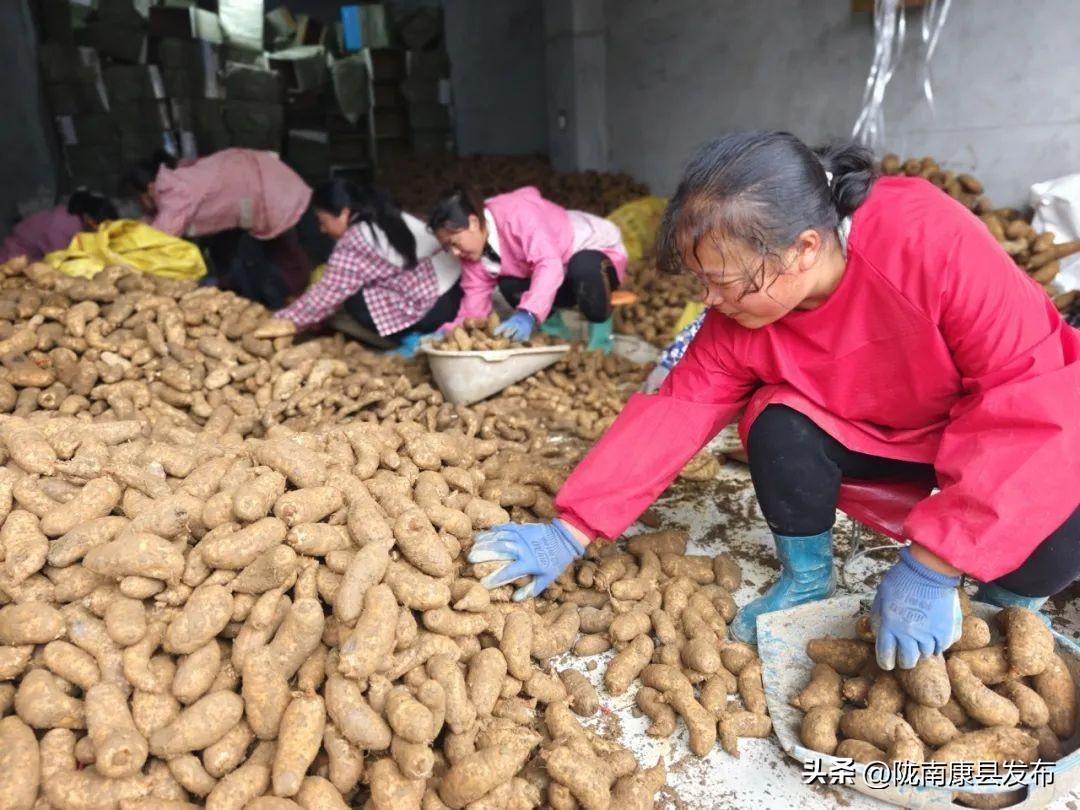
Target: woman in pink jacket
pixel 250 201
pixel 868 329
pixel 54 228
pixel 539 255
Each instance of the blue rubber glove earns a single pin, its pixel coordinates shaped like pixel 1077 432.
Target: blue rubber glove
pixel 518 326
pixel 916 612
pixel 539 550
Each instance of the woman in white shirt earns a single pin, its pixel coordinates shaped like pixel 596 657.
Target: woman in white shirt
pixel 387 270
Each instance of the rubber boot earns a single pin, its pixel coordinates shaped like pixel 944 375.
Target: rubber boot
pixel 996 595
pixel 410 343
pixel 600 336
pixel 556 326
pixel 806 575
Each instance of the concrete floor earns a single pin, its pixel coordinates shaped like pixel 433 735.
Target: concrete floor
pixel 724 516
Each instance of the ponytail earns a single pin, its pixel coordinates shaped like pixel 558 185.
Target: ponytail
pixel 763 188
pixel 853 173
pixel 367 205
pixel 454 207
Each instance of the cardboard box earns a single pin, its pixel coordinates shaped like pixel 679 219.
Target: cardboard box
pixel 178 54
pixel 181 83
pixel 387 64
pixel 308 152
pixel 126 83
pixel 209 114
pixel 243 116
pixel 387 94
pixel 182 113
pixel 431 142
pixel 185 23
pixel 390 124
pixel 422 29
pixel 420 89
pixel 120 42
pixel 265 139
pixel 95 128
pixel 244 83
pixel 429 116
pixel 60 63
pixel 143 116
pixel 242 23
pixel 72 98
pixel 434 64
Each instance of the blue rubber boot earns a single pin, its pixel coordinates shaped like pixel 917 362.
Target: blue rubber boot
pixel 600 336
pixel 556 326
pixel 806 575
pixel 410 343
pixel 996 595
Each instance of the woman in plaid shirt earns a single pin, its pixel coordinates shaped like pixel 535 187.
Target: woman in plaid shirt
pixel 387 271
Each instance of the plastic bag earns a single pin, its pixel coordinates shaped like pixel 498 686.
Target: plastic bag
pixel 131 243
pixel 1057 209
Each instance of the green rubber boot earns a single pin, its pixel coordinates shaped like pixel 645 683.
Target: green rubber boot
pixel 600 336
pixel 555 326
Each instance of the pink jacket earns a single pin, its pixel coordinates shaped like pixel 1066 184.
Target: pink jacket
pixel 41 233
pixel 233 188
pixel 536 239
pixel 935 349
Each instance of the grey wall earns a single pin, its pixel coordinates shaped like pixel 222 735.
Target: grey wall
pixel 27 163
pixel 497 70
pixel 682 71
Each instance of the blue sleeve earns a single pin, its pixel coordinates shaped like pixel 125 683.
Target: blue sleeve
pixel 677 348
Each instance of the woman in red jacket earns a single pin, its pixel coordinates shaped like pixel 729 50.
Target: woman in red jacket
pixel 868 329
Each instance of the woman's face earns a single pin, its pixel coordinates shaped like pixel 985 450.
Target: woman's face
pixel 333 225
pixel 467 243
pixel 751 290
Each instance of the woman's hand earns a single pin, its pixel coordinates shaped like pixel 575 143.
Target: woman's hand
pixel 539 550
pixel 916 611
pixel 518 326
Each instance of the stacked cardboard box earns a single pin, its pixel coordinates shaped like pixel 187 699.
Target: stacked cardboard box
pixel 426 87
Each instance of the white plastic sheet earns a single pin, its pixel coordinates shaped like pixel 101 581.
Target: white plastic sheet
pixel 1057 209
pixel 890 27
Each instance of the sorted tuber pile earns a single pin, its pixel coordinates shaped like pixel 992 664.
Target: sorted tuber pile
pixel 478 334
pixel 1004 697
pixel 232 572
pixel 1035 253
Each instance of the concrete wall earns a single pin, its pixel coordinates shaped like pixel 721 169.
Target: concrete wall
pixel 682 71
pixel 497 70
pixel 28 166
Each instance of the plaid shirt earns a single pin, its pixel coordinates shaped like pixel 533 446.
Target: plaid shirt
pixel 363 261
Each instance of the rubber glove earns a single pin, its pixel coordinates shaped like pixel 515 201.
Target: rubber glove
pixel 539 550
pixel 518 326
pixel 655 379
pixel 916 612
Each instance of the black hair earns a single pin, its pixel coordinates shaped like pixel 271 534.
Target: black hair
pixel 369 205
pixel 99 208
pixel 138 178
pixel 763 188
pixel 454 207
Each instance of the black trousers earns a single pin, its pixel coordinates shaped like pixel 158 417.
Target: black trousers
pixel 797 467
pixel 444 310
pixel 590 278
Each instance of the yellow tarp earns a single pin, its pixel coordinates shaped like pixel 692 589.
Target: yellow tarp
pixel 133 243
pixel 639 222
pixel 689 314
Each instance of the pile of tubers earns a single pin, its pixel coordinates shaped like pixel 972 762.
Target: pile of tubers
pixel 417 179
pixel 1007 700
pixel 232 573
pixel 478 334
pixel 1035 253
pixel 666 614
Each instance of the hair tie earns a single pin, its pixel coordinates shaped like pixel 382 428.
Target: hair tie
pixel 828 177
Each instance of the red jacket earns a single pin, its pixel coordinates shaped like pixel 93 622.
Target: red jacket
pixel 935 348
